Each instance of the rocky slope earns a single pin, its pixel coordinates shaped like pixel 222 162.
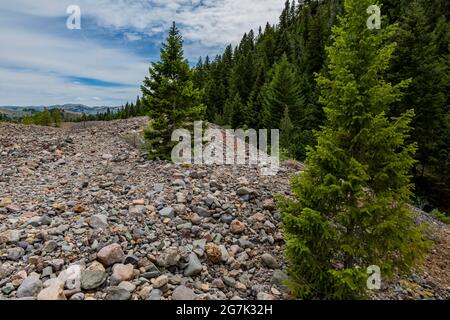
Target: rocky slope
pixel 83 215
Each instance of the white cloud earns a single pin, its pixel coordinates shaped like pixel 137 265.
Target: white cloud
pixel 133 36
pixel 43 57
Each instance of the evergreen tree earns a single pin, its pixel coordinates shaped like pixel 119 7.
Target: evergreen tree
pixel 351 207
pixel 170 97
pixel 45 118
pixel 57 118
pixel 283 91
pixel 418 58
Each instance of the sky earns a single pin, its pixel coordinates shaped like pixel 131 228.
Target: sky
pixel 42 62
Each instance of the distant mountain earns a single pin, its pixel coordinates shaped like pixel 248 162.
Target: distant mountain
pixel 16 111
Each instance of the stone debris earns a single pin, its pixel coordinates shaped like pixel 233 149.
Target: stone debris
pixel 88 217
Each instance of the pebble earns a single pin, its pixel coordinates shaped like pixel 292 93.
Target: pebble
pixel 130 287
pixel 183 293
pixel 155 295
pixel 117 293
pixel 92 279
pixel 122 272
pixel 15 253
pixel 194 266
pixel 167 212
pixel 169 258
pixel 110 255
pixel 53 292
pixel 160 282
pixel 270 261
pixel 99 221
pixel 237 227
pixel 77 296
pixel 30 287
pixel 264 296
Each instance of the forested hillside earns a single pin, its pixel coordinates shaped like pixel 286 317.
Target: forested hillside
pixel 269 81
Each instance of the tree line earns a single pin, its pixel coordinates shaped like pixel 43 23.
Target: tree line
pixel 269 81
pixel 128 110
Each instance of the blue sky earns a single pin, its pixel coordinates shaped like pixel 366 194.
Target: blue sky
pixel 44 63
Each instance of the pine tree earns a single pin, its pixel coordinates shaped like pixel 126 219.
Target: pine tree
pixel 418 58
pixel 57 118
pixel 283 91
pixel 170 97
pixel 351 207
pixel 45 118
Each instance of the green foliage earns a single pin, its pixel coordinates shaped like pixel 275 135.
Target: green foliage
pixel 280 93
pixel 422 56
pixel 4 117
pixel 57 118
pixel 45 118
pixel 49 118
pixel 303 31
pixel 350 210
pixel 441 216
pixel 170 97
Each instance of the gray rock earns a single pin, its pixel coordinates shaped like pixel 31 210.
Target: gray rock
pixel 194 266
pixel 130 259
pixel 155 295
pixel 14 236
pixel 50 246
pixel 169 258
pixel 270 261
pixel 16 253
pixel 179 183
pixel 244 243
pixel 77 296
pixel 243 191
pixel 167 212
pixel 91 279
pixel 47 272
pixel 184 226
pixel 227 218
pixel 202 212
pixel 34 221
pixel 264 296
pixel 57 264
pixel 279 277
pixel 30 287
pixel 130 287
pixel 99 221
pixel 224 252
pixel 117 293
pixel 45 220
pixel 159 187
pixel 183 293
pixel 229 281
pixel 152 272
pixel 8 288
pixel 137 210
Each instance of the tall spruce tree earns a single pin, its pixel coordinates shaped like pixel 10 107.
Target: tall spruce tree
pixel 170 97
pixel 283 91
pixel 45 118
pixel 350 210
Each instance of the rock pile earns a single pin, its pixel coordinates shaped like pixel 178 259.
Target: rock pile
pixel 84 215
